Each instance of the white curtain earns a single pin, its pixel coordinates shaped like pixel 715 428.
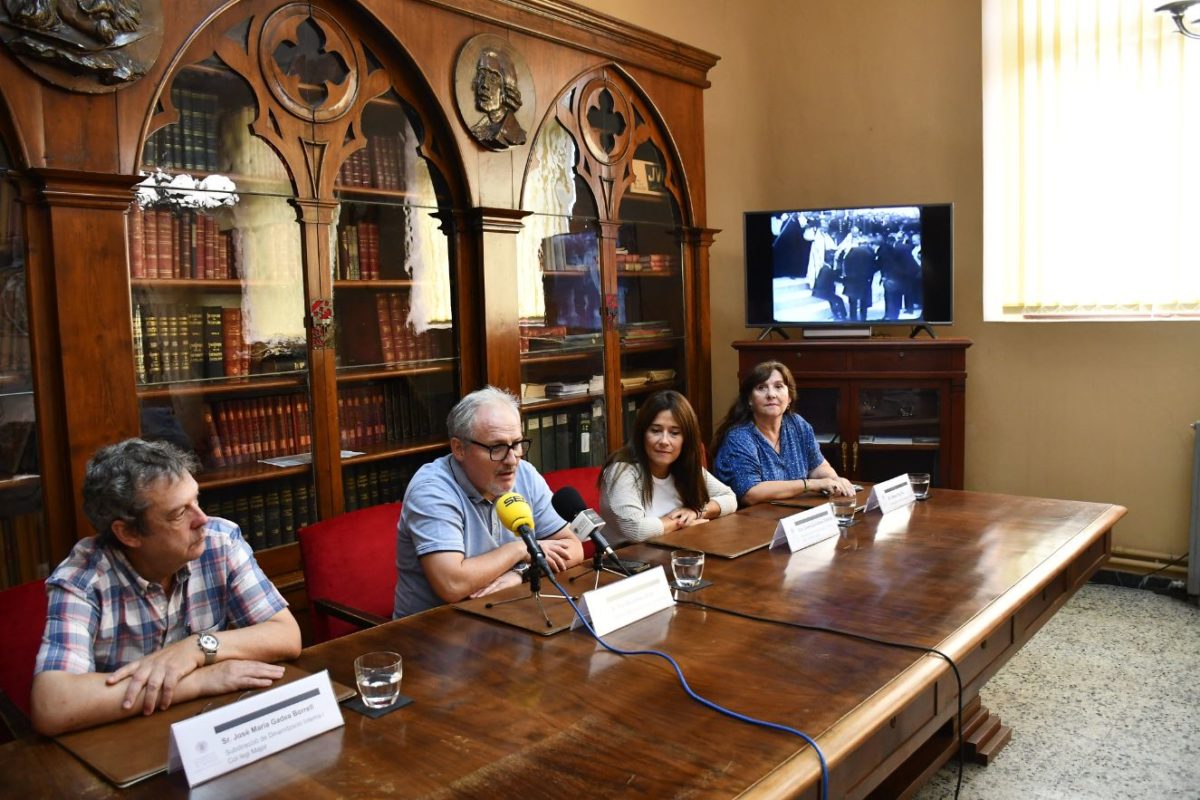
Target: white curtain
pixel 550 193
pixel 1091 175
pixel 426 249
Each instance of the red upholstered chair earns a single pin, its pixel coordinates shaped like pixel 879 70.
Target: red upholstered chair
pixel 23 609
pixel 350 570
pixel 585 480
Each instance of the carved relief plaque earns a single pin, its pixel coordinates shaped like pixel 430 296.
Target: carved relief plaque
pixel 91 46
pixel 494 90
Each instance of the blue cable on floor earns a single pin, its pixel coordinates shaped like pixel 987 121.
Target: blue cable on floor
pixel 703 701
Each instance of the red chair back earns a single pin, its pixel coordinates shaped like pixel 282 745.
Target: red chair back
pixel 350 559
pixel 23 609
pixel 585 480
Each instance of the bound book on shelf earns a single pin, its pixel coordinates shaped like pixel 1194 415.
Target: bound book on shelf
pixel 564 389
pixel 533 391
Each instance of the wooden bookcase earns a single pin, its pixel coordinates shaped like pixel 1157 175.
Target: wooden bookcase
pixel 350 260
pixel 879 406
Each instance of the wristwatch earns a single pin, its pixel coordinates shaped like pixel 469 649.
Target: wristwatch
pixel 208 645
pixel 522 569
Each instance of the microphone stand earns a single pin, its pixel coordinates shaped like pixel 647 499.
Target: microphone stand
pixel 537 563
pixel 598 567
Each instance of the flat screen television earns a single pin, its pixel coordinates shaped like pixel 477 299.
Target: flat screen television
pixel 850 267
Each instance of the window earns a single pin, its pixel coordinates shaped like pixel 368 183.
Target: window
pixel 1091 175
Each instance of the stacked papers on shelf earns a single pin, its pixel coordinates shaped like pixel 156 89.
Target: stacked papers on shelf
pixel 564 389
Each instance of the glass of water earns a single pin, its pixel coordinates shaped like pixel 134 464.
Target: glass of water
pixel 378 676
pixel 687 566
pixel 843 510
pixel 919 481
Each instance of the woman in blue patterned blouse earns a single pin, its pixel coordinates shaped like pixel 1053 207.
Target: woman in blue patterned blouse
pixel 764 451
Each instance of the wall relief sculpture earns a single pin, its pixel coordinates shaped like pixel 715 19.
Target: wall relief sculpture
pixel 494 89
pixel 89 46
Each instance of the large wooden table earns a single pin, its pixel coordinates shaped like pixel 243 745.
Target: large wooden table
pixel 500 712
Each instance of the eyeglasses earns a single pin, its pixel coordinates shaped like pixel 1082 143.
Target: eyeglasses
pixel 499 452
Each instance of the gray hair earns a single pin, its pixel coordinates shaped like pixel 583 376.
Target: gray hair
pixel 460 422
pixel 116 476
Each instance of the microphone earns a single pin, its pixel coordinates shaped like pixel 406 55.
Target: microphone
pixel 516 515
pixel 584 521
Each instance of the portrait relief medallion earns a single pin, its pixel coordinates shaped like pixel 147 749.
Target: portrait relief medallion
pixel 494 90
pixel 90 46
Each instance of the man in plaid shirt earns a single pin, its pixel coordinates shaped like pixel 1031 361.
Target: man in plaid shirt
pixel 163 605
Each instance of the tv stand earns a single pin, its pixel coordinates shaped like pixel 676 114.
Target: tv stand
pixel 922 327
pixel 766 333
pixel 880 406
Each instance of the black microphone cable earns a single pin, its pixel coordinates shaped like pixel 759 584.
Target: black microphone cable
pixel 865 638
pixel 824 792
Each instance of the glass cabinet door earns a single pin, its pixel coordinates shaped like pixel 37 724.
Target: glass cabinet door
pixel 899 430
pixel 650 288
pixel 397 357
pixel 559 285
pixel 23 554
pixel 821 407
pixel 218 306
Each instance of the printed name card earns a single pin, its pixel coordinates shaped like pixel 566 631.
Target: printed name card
pixel 628 600
pixel 240 733
pixel 806 528
pixel 891 494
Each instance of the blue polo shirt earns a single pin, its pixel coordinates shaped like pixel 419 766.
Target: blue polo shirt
pixel 443 512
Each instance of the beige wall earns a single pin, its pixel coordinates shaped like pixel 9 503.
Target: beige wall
pixel 818 102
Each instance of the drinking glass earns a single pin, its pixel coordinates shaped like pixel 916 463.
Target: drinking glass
pixel 378 676
pixel 687 566
pixel 843 510
pixel 919 481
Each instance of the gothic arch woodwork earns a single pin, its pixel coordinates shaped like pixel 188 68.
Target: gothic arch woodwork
pixel 610 118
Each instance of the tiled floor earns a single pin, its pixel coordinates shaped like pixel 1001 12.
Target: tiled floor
pixel 1104 702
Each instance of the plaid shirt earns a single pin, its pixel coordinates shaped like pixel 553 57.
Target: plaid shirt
pixel 102 614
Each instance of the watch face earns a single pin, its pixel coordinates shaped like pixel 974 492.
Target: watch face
pixel 208 642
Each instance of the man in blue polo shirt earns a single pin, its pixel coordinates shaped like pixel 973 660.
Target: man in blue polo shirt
pixel 450 544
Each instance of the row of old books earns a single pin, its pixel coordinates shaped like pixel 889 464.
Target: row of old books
pixel 175 342
pixel 191 143
pixel 14 326
pixel 390 412
pixel 270 513
pixel 652 262
pixel 178 243
pixel 534 336
pixel 245 430
pixel 645 331
pixel 366 485
pixel 358 251
pixel 379 165
pixel 22 549
pixel 398 340
pixel 565 438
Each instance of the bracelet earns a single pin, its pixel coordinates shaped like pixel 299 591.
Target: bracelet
pixel 805 485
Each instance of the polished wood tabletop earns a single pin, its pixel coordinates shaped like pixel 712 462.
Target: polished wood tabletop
pixel 500 712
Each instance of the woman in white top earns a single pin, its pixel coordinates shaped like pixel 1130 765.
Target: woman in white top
pixel 657 484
